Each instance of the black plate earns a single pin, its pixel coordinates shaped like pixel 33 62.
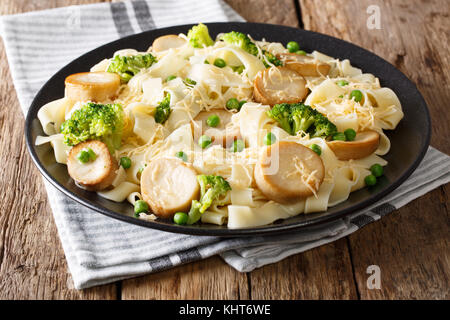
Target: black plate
pixel 409 140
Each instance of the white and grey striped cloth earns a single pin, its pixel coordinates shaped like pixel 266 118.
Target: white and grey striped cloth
pixel 99 249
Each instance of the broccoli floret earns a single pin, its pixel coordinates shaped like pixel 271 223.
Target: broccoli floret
pixel 299 117
pixel 303 117
pixel 240 40
pixel 163 110
pixel 309 120
pixel 128 66
pixel 199 36
pixel 95 121
pixel 211 188
pixel 323 127
pixel 282 114
pixel 244 42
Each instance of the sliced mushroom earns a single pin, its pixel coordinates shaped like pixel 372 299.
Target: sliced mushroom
pixel 364 145
pixel 170 41
pixel 222 134
pixel 96 174
pixel 304 65
pixel 169 186
pixel 287 171
pixel 92 86
pixel 279 85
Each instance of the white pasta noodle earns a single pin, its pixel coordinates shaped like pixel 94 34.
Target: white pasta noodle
pixel 210 87
pixel 171 64
pixel 245 216
pixel 144 126
pixel 242 197
pixel 214 217
pixel 60 149
pixel 52 115
pixel 121 176
pixel 344 180
pixel 101 66
pixel 153 90
pixel 133 197
pixel 319 203
pixel 121 192
pixel 241 176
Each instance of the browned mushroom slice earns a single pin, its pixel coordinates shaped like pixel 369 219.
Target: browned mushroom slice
pixel 279 85
pixel 221 134
pixel 304 65
pixel 169 186
pixel 288 171
pixel 93 86
pixel 170 41
pixel 96 174
pixel 364 145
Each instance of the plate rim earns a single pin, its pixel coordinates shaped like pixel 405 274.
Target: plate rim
pixel 225 232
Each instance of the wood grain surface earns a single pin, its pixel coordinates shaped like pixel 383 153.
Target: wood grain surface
pixel 411 245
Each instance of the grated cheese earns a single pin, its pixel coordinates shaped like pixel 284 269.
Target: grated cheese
pixel 308 178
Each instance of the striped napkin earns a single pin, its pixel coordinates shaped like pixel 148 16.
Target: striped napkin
pixel 101 250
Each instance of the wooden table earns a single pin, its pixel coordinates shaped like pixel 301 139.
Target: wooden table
pixel 411 245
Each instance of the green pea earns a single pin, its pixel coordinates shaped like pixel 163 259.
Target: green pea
pixel 377 170
pixel 232 103
pixel 125 162
pixel 339 136
pixel 204 141
pixel 241 103
pixel 181 155
pixel 238 145
pixel 350 134
pixel 207 62
pixel 314 147
pixel 301 52
pixel 270 139
pixel 140 206
pixel 341 96
pixel 169 78
pixel 357 95
pixel 342 83
pixel 293 46
pixel 83 156
pixel 370 180
pixel 213 120
pixel 180 218
pixel 220 63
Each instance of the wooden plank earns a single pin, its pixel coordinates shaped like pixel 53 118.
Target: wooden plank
pixel 267 11
pixel 321 273
pixel 206 279
pixel 410 245
pixel 32 262
pixel 411 248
